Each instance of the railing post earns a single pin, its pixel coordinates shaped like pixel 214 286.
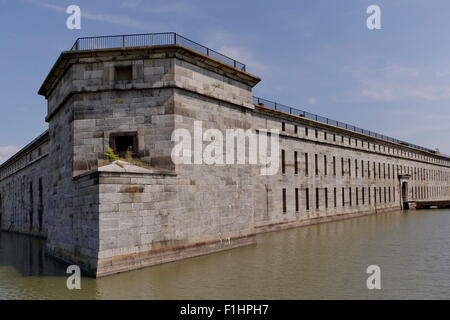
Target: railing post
pixel 123 41
pixel 174 38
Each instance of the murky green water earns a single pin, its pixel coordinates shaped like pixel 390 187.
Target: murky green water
pixel 326 261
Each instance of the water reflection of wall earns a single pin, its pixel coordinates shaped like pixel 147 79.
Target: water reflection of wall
pixel 26 272
pixel 27 256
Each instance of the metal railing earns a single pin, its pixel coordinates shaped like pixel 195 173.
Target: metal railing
pixel 151 39
pixel 339 124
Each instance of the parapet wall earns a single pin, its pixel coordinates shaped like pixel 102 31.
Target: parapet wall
pixel 24 189
pixel 329 173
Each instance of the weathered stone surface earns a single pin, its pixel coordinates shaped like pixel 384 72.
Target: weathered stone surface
pixel 114 217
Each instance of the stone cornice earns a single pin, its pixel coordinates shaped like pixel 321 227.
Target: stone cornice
pixel 68 58
pixel 41 139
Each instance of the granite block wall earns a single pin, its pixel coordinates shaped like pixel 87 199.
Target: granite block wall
pixel 113 217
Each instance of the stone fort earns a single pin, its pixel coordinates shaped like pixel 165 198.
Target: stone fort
pixel 130 93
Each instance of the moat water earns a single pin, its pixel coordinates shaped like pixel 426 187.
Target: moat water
pixel 325 261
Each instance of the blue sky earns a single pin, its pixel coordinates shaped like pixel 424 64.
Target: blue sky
pixel 317 55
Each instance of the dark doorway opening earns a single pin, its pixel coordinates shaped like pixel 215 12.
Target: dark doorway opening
pixel 31 205
pixel 405 195
pixel 1 210
pixel 123 142
pixel 41 205
pixel 124 73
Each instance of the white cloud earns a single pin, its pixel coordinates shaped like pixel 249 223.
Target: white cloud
pixel 312 100
pixel 130 3
pixel 246 57
pixel 178 7
pixel 121 20
pixel 48 6
pixel 399 83
pixel 221 41
pixel 395 92
pixel 7 151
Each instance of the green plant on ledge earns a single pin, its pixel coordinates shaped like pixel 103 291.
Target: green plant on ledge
pixel 111 155
pixel 128 157
pixel 136 161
